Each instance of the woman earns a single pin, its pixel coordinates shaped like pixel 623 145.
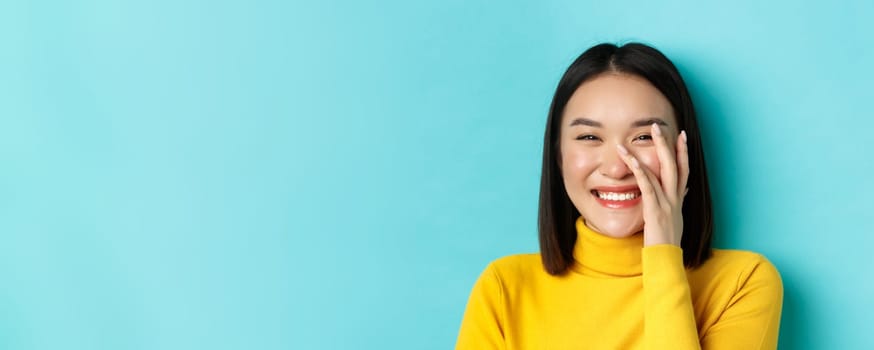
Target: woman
pixel 625 229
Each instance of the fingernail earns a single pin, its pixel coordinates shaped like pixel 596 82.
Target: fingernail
pixel 656 130
pixel 622 149
pixel 683 135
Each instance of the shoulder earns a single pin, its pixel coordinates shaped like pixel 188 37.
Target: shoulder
pixel 515 267
pixel 743 260
pixel 740 267
pixel 516 263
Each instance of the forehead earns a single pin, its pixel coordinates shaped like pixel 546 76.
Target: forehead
pixel 618 100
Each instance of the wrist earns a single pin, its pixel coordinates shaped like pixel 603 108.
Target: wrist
pixel 651 241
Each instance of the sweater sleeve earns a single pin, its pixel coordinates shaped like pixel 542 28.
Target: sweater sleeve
pixel 751 319
pixel 669 319
pixel 482 325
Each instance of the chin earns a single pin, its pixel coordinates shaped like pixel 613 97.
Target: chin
pixel 616 228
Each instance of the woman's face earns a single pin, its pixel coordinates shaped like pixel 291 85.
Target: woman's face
pixel 604 111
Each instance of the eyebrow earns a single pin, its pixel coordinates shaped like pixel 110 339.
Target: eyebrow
pixel 636 124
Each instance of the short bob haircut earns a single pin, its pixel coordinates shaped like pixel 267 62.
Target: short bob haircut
pixel 557 214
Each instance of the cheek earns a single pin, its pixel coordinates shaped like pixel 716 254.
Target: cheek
pixel 578 162
pixel 650 160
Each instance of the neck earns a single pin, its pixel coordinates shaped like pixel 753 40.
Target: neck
pixel 603 256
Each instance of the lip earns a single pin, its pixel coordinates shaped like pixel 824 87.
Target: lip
pixel 627 188
pixel 617 189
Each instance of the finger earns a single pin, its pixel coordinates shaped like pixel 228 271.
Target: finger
pixel 667 163
pixel 649 189
pixel 659 194
pixel 683 163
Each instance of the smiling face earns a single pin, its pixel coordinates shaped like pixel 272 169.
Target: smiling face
pixel 607 110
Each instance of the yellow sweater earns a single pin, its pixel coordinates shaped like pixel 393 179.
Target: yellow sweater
pixel 620 295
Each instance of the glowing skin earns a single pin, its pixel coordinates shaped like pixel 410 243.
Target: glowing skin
pixel 619 109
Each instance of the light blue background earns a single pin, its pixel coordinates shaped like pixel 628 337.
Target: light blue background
pixel 329 175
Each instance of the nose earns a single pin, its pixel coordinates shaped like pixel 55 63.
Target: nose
pixel 612 165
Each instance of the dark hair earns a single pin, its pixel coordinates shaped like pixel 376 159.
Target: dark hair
pixel 557 214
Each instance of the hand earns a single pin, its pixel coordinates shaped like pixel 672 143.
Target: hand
pixel 662 201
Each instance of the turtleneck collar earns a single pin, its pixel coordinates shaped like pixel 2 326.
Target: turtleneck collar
pixel 603 256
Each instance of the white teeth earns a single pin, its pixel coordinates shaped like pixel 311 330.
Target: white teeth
pixel 612 196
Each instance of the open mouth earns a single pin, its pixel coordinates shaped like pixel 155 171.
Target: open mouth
pixel 617 196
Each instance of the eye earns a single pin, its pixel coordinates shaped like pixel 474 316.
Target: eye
pixel 644 137
pixel 587 138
